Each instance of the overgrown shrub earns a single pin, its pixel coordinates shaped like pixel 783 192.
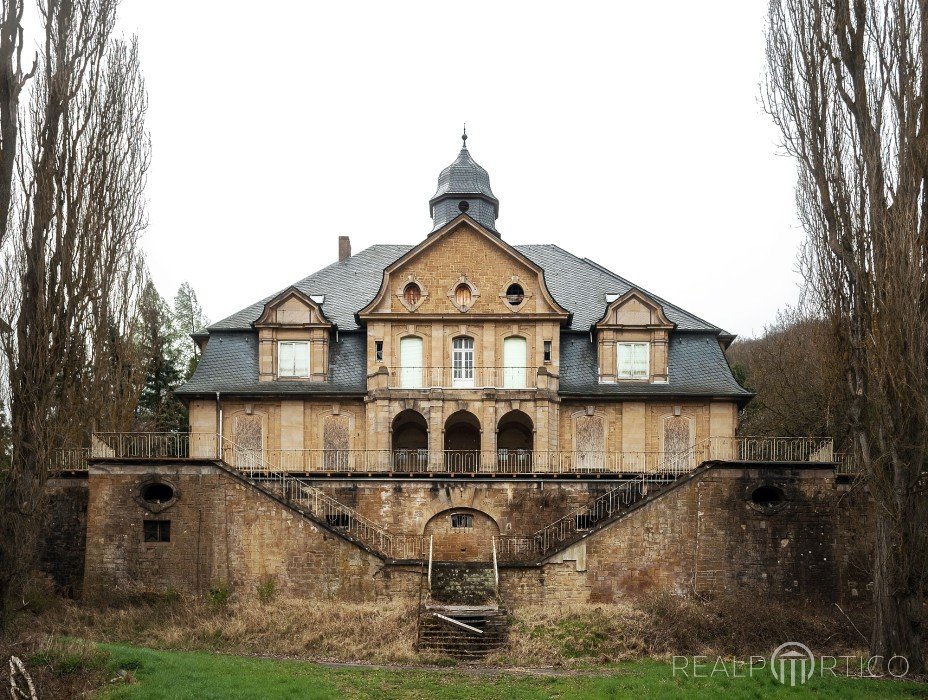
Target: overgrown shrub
pixel 267 590
pixel 218 595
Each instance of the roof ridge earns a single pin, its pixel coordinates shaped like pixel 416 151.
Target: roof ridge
pixel 648 292
pixel 303 279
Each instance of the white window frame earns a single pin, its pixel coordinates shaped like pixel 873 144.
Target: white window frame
pixel 280 367
pixel 635 373
pixel 462 372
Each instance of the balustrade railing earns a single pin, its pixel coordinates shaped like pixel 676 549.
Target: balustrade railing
pixel 464 461
pixel 501 461
pixel 771 449
pixel 335 514
pixel 73 459
pixel 153 445
pixel 549 538
pixel 462 377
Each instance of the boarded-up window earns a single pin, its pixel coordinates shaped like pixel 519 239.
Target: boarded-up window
pixel 411 362
pixel 412 293
pixel 335 441
pixel 677 442
pixel 247 434
pixel 514 361
pixel 591 442
pixel 462 296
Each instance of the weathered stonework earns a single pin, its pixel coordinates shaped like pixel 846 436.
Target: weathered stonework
pixel 223 531
pixel 704 534
pixel 64 533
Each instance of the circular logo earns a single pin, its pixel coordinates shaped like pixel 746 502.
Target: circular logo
pixel 792 663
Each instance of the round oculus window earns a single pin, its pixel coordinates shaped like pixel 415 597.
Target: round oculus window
pixel 157 493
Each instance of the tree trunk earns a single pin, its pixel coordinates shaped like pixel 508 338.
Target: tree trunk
pixel 896 606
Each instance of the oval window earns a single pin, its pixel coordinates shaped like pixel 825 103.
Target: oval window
pixel 515 295
pixel 157 493
pixel 766 496
pixel 462 296
pixel 412 294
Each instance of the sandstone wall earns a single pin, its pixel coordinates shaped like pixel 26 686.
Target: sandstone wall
pixel 64 533
pixel 706 535
pixel 223 531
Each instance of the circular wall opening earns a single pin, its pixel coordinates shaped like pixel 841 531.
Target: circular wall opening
pixel 463 205
pixel 157 493
pixel 514 294
pixel 766 496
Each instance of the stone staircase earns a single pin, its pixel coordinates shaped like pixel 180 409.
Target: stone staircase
pixel 578 524
pixel 462 616
pixel 463 583
pixel 315 505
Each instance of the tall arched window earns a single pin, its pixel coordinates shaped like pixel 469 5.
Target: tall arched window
pixel 462 362
pixel 514 361
pixel 411 362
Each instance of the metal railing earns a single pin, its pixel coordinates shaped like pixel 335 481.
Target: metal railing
pixel 846 464
pixel 551 537
pixel 771 449
pixel 301 493
pixel 464 461
pixel 501 461
pixel 74 459
pixel 462 377
pixel 153 445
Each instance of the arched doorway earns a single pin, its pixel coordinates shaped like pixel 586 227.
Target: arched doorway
pixel 462 534
pixel 462 442
pixel 410 440
pixel 514 442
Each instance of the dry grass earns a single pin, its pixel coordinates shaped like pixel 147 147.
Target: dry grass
pixel 657 626
pixel 291 628
pixel 662 625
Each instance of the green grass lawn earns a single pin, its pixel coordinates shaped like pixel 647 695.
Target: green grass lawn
pixel 171 674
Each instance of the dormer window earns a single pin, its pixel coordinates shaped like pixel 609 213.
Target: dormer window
pixel 633 360
pixel 293 359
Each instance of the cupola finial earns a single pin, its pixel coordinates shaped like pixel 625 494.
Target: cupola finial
pixel 464 187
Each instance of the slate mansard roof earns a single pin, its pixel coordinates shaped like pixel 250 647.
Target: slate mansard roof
pixel 697 365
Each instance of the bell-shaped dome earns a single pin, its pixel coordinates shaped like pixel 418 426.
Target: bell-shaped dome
pixel 464 187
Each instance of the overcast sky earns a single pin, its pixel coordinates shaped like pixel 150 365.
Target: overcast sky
pixel 630 133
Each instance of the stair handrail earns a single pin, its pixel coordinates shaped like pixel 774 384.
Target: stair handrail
pixel 495 568
pixel 295 489
pixel 431 538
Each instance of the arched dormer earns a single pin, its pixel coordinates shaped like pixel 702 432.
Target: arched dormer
pixel 293 338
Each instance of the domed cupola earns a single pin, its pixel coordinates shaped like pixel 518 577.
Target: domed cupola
pixel 464 187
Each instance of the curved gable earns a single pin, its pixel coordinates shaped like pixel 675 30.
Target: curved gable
pixel 464 253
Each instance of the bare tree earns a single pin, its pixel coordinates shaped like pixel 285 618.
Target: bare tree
pixel 73 272
pixel 847 85
pixel 12 81
pixel 798 378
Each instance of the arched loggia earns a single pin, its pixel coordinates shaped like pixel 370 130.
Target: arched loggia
pixel 410 441
pixel 462 442
pixel 515 442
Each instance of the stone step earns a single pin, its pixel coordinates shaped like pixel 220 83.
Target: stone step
pixel 443 637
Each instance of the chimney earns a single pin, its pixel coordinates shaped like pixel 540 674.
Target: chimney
pixel 344 248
